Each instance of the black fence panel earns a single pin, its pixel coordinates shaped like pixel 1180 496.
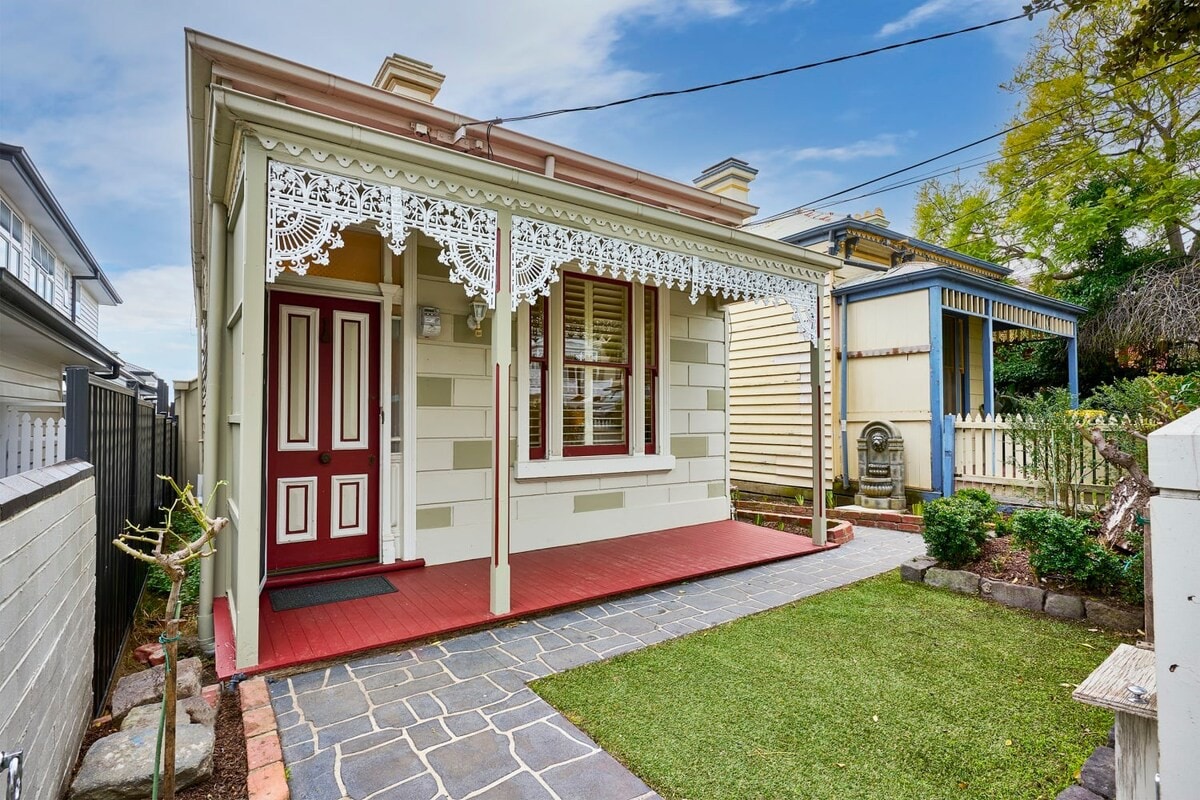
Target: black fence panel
pixel 129 444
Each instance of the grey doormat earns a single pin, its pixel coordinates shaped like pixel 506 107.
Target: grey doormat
pixel 319 594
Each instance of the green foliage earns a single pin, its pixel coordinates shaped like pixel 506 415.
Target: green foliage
pixel 980 497
pixel 185 529
pixel 1065 547
pixel 918 509
pixel 954 527
pixel 1050 448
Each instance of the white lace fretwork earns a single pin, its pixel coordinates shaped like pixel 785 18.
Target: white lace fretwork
pixel 307 210
pixel 539 248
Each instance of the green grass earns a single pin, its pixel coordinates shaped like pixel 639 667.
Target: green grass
pixel 882 689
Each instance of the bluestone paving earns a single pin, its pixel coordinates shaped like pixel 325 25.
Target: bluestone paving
pixel 455 720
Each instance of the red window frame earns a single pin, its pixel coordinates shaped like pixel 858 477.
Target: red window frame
pixel 544 362
pixel 626 368
pixel 650 370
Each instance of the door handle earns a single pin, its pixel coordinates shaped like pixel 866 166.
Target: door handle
pixel 325 457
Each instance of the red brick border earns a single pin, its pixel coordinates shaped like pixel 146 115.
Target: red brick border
pixel 888 520
pixel 265 779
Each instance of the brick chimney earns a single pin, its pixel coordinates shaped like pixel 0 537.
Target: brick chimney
pixel 730 178
pixel 875 217
pixel 408 77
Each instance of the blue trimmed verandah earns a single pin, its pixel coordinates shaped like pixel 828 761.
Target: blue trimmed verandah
pixel 956 294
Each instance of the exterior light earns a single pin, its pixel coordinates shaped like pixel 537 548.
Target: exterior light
pixel 475 316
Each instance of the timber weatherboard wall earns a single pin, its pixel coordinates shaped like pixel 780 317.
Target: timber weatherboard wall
pixel 47 615
pixel 770 398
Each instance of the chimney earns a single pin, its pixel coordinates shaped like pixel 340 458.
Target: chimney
pixel 730 178
pixel 875 217
pixel 408 77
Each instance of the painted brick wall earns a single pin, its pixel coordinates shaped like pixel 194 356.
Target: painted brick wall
pixel 47 615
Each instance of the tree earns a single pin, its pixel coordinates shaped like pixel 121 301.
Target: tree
pixel 1160 28
pixel 174 563
pixel 1099 189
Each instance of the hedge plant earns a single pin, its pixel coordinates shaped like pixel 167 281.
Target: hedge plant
pixel 1061 546
pixel 954 526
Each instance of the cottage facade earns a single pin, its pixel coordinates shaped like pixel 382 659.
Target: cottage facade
pixel 427 339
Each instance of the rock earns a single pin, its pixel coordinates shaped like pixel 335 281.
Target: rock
pixel 151 653
pixel 956 580
pixel 1113 618
pixel 1067 606
pixel 914 569
pixel 1112 736
pixel 1077 792
pixel 120 766
pixel 147 686
pixel 190 710
pixel 1013 594
pixel 1099 772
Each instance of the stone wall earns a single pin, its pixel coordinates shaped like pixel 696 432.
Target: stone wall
pixel 47 616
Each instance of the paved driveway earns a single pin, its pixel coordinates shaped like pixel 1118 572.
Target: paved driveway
pixel 455 720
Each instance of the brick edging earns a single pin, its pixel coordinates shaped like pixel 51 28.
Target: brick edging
pixel 265 776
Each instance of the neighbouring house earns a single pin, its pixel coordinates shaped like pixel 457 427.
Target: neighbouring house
pixel 430 339
pixel 911 327
pixel 51 291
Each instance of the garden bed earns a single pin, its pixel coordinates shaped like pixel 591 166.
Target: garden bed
pixel 1015 588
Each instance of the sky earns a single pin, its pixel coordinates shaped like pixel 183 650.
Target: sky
pixel 95 93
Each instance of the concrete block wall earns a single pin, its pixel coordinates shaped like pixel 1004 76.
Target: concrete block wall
pixel 47 618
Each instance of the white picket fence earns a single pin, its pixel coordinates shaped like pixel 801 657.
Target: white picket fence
pixel 32 439
pixel 987 456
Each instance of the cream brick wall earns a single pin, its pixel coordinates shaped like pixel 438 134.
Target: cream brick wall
pixel 47 617
pixel 454 399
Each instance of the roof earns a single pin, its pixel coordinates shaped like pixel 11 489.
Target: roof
pixel 821 233
pixel 21 304
pixel 211 59
pixel 20 179
pixel 916 274
pixel 785 225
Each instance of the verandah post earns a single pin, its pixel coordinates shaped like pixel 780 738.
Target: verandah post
pixel 816 355
pixel 500 576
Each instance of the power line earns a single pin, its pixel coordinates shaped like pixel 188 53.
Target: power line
pixel 758 77
pixel 814 203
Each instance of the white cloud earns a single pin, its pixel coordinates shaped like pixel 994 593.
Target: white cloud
pixel 961 11
pixel 876 147
pixel 155 327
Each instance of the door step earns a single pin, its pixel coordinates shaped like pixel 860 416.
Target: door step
pixel 337 573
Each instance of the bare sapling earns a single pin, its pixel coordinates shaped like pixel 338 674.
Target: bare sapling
pixel 174 563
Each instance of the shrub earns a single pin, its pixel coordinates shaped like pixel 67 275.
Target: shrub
pixel 954 531
pixel 1062 546
pixel 981 497
pixel 186 529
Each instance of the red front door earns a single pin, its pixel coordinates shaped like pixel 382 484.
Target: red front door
pixel 322 503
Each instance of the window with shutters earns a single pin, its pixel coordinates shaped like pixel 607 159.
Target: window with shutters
pixel 593 389
pixel 596 366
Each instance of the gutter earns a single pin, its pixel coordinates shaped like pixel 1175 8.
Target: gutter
pixel 20 303
pixel 24 165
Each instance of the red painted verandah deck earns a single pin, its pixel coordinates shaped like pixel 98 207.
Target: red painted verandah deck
pixel 432 601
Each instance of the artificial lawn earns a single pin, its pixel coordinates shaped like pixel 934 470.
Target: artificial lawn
pixel 882 689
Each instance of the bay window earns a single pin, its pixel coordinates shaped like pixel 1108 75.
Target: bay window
pixel 591 386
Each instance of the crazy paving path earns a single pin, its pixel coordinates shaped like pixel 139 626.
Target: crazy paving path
pixel 455 720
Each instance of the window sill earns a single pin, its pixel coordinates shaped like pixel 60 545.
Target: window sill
pixel 591 465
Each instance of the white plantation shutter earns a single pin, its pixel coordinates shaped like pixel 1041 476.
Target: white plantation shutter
pixel 596 363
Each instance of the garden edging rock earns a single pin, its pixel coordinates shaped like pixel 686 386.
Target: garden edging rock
pixel 924 569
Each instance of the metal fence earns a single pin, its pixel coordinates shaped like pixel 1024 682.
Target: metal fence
pixel 129 442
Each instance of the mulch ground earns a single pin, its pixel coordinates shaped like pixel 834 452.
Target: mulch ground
pixel 1001 561
pixel 229 758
